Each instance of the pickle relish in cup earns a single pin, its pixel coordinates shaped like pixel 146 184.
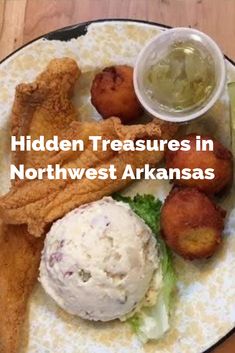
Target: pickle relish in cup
pixel 179 75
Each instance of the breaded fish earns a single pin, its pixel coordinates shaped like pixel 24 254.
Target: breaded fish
pixel 38 203
pixel 41 108
pixel 19 261
pixel 44 108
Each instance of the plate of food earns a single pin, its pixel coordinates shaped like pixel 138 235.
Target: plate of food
pixel 117 265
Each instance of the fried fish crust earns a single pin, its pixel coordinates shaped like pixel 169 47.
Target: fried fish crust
pixel 40 202
pixel 42 108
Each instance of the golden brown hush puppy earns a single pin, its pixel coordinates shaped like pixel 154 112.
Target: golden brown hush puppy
pixel 191 223
pixel 112 94
pixel 220 159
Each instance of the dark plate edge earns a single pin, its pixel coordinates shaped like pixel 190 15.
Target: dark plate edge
pixel 77 30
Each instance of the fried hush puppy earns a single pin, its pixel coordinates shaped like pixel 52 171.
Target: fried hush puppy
pixel 191 223
pixel 113 94
pixel 220 159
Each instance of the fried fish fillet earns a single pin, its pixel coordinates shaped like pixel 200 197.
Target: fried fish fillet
pixel 41 108
pixel 19 262
pixel 38 203
pixel 44 108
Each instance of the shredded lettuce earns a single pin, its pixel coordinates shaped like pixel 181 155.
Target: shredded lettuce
pixel 151 323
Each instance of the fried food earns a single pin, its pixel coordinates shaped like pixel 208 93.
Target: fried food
pixel 191 223
pixel 40 202
pixel 220 159
pixel 40 108
pixel 44 108
pixel 113 94
pixel 19 262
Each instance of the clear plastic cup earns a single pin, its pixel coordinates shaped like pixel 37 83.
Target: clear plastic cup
pixel 161 43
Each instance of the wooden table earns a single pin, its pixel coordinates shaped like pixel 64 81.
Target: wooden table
pixel 23 20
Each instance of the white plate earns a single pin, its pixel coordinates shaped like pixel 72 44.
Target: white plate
pixel 205 307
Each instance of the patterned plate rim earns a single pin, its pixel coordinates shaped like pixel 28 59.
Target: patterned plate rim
pixel 80 29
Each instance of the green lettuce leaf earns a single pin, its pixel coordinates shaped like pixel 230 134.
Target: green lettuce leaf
pixel 152 322
pixel 146 207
